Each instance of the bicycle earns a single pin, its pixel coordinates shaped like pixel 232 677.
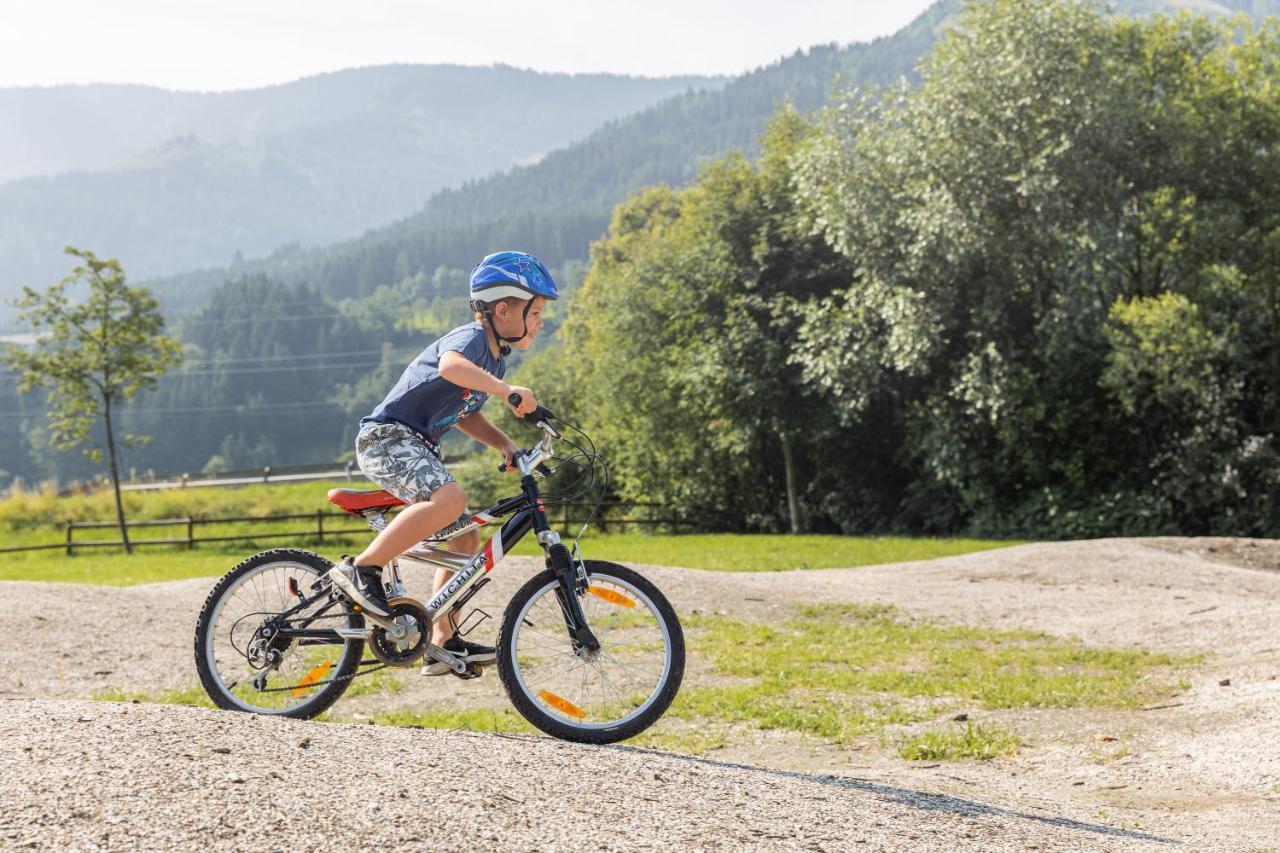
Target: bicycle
pixel 587 650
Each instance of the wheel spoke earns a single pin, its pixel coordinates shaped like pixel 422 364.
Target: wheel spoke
pixel 602 686
pixel 243 606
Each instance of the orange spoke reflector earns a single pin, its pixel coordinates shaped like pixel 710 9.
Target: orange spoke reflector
pixel 564 706
pixel 611 596
pixel 312 677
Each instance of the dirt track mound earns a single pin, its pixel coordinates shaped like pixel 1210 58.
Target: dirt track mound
pixel 91 775
pixel 1201 767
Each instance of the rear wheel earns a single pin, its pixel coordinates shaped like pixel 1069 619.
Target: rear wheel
pixel 242 670
pixel 592 697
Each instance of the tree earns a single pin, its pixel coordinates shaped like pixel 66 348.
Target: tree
pixel 1055 235
pixel 677 345
pixel 92 355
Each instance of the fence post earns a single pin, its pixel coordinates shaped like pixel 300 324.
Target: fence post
pixel 266 474
pixel 320 525
pixel 69 538
pixel 191 535
pixel 348 470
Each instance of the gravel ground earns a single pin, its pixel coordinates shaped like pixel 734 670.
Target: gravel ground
pixel 86 775
pixel 1202 773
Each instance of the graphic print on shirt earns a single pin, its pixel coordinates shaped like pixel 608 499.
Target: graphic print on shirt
pixel 471 402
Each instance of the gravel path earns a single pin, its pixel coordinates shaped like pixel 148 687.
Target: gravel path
pixel 87 775
pixel 1202 773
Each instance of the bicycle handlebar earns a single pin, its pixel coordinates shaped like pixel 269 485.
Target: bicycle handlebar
pixel 540 417
pixel 541 468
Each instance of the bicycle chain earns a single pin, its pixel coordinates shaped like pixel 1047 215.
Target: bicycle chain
pixel 326 681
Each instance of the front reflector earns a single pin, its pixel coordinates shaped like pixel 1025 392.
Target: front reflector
pixel 562 705
pixel 611 596
pixel 311 678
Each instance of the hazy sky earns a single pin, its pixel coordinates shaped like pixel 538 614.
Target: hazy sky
pixel 232 44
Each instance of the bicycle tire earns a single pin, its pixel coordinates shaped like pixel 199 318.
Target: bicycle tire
pixel 319 702
pixel 526 704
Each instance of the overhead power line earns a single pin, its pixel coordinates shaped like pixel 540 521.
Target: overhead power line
pixel 264 408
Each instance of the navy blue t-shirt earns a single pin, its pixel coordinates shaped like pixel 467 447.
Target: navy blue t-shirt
pixel 425 401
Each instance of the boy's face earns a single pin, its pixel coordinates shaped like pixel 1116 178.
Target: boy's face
pixel 509 318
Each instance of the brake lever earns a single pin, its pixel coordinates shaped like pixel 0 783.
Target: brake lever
pixel 540 417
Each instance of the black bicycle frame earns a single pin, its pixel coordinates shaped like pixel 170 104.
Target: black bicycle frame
pixel 527 513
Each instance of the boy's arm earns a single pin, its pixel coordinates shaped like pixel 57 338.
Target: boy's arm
pixel 461 371
pixel 478 427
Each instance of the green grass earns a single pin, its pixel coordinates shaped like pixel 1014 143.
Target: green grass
pixel 715 552
pixel 972 741
pixel 843 672
pixel 501 720
pixel 119 569
pixel 732 552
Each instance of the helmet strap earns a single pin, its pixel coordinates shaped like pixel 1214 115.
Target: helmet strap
pixel 486 311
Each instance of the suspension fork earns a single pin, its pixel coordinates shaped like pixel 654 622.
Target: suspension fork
pixel 560 561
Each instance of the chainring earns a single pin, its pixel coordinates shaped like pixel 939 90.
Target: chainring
pixel 409 613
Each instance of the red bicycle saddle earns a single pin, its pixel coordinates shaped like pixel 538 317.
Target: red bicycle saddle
pixel 358 500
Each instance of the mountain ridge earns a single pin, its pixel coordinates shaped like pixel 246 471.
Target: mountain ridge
pixel 312 162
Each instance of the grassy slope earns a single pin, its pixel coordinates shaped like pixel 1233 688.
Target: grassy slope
pixel 715 552
pixel 31 518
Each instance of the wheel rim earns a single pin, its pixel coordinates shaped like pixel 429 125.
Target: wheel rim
pixel 304 669
pixel 615 686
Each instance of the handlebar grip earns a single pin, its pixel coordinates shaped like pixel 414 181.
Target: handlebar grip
pixel 541 413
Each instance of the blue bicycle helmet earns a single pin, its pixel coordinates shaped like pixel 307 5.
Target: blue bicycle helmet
pixel 504 274
pixel 517 274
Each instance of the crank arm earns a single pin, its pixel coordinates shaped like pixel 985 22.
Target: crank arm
pixel 447 658
pixel 381 621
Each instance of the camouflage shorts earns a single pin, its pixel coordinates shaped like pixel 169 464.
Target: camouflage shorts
pixel 400 461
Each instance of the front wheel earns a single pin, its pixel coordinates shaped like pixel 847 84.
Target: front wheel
pixel 592 697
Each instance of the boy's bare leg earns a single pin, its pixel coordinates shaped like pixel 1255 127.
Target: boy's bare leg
pixel 414 523
pixel 467 543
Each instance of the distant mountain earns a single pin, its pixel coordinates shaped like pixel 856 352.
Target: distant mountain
pixel 556 206
pixel 172 180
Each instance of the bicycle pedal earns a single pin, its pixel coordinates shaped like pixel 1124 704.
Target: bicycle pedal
pixel 472 671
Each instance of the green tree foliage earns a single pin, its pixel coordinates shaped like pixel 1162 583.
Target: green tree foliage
pixel 676 348
pixel 1065 241
pixel 1036 294
pixel 93 352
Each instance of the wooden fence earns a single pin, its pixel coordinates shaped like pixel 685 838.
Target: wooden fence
pixel 332 525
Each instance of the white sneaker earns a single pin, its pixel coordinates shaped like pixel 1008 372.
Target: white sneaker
pixel 469 652
pixel 362 584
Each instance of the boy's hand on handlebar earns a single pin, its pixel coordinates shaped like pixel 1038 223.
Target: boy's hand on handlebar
pixel 528 403
pixel 509 451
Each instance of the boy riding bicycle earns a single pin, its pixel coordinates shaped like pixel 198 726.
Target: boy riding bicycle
pixel 398 445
